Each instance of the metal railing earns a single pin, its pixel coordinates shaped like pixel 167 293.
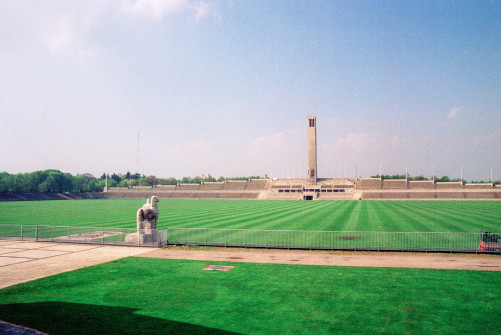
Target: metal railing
pixel 87 235
pixel 332 240
pixel 249 238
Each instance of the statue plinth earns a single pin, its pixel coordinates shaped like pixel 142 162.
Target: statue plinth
pixel 147 232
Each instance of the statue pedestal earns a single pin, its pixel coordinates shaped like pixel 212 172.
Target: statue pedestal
pixel 143 238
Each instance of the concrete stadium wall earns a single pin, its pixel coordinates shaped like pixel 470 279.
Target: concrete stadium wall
pixel 422 195
pixel 482 186
pixel 421 185
pixel 395 195
pixel 372 195
pixel 394 184
pixel 369 184
pixel 449 185
pixel 165 187
pixel 479 195
pixel 450 195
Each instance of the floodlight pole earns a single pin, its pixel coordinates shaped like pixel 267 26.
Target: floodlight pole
pixel 461 175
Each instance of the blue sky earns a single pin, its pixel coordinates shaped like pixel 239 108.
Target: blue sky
pixel 225 87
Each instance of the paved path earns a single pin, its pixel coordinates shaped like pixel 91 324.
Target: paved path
pixel 22 261
pixel 338 258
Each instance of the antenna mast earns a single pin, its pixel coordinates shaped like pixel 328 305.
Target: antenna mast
pixel 137 160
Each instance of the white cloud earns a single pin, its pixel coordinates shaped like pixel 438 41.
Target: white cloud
pixel 454 112
pixel 61 27
pixel 274 142
pixel 353 141
pixel 158 9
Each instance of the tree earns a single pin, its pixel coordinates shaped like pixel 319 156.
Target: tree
pixel 419 178
pixel 116 178
pixel 151 180
pixel 167 181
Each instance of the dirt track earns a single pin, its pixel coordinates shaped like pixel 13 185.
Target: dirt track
pixel 338 258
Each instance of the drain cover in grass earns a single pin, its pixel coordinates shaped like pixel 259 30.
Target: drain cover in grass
pixel 219 267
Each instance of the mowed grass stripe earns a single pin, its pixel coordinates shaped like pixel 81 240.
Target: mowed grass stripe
pixel 447 219
pixel 407 218
pixel 265 219
pixel 295 219
pixel 468 216
pixel 204 218
pixel 231 219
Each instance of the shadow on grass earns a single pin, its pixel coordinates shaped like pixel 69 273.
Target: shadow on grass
pixel 70 318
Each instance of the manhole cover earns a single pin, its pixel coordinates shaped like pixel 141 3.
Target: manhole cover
pixel 219 267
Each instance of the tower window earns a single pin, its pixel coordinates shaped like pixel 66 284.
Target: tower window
pixel 313 172
pixel 312 122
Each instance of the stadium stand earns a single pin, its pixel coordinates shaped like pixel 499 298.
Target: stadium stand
pixel 421 185
pixel 212 186
pixel 450 195
pixel 372 195
pixel 448 185
pixel 165 187
pixel 479 186
pixel 479 195
pixel 394 184
pixel 256 184
pixel 369 184
pixel 421 195
pixel 142 188
pixel 184 187
pixel 235 185
pixel 395 195
pixel 117 189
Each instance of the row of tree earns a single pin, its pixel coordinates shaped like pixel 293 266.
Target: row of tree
pixel 444 179
pixel 49 181
pixel 55 181
pixel 127 180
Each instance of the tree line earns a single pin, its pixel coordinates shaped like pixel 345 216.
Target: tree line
pixel 55 181
pixel 444 179
pixel 49 181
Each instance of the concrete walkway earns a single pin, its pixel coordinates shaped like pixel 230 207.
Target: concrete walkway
pixel 334 258
pixel 22 261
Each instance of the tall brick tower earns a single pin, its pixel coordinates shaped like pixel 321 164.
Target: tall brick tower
pixel 312 150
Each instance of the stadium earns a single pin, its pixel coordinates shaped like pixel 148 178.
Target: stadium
pixel 234 93
pixel 314 188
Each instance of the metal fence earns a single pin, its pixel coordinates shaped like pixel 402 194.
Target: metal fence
pixel 249 238
pixel 88 235
pixel 333 240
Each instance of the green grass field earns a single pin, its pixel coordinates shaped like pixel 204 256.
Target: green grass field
pixel 154 296
pixel 408 216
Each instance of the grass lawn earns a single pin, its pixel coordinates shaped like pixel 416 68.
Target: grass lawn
pixel 409 216
pixel 155 296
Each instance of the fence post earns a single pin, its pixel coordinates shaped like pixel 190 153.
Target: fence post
pixel 21 232
pixel 36 234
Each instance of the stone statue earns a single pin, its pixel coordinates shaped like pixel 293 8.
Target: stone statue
pixel 147 215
